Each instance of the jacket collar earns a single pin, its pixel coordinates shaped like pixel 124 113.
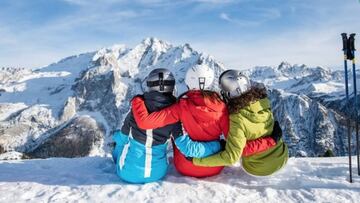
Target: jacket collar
pixel 204 109
pixel 155 101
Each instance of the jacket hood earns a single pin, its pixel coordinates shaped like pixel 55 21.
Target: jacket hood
pixel 256 119
pixel 258 112
pixel 156 101
pixel 204 109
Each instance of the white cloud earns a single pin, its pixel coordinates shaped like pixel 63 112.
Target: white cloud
pixel 214 1
pixel 239 22
pixel 57 38
pixel 77 2
pixel 314 42
pixel 261 16
pixel 225 16
pixel 320 46
pixel 91 2
pixel 127 14
pixel 270 13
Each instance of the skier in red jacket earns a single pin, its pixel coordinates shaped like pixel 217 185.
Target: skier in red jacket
pixel 204 117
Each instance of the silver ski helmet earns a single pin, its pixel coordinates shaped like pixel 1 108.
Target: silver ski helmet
pixel 233 83
pixel 160 80
pixel 199 77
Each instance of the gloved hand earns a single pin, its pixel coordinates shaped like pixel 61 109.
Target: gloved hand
pixel 189 158
pixel 277 132
pixel 112 145
pixel 222 144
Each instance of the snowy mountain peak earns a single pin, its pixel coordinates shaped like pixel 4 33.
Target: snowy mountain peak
pixel 114 50
pixel 155 44
pixel 284 65
pixel 286 70
pixel 92 90
pixel 187 47
pixel 96 84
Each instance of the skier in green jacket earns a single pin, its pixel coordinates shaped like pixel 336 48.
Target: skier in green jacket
pixel 250 118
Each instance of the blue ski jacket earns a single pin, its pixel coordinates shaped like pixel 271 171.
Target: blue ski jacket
pixel 141 155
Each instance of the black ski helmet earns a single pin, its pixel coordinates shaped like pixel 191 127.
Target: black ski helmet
pixel 160 80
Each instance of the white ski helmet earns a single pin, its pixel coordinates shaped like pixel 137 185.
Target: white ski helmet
pixel 199 77
pixel 160 80
pixel 233 83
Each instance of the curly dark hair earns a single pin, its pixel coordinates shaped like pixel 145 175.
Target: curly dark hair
pixel 245 99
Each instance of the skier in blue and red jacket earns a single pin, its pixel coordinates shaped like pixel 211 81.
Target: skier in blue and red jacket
pixel 204 117
pixel 140 155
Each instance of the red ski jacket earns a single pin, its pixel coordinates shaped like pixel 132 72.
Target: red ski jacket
pixel 203 119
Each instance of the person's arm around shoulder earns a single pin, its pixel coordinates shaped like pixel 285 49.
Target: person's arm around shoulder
pixel 145 120
pixel 235 144
pixel 191 148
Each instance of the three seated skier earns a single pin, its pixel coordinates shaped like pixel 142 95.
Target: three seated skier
pixel 140 152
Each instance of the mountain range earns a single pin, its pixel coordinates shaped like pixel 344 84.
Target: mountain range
pixel 71 108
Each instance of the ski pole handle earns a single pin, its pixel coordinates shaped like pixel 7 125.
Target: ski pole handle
pixel 352 42
pixel 351 47
pixel 344 39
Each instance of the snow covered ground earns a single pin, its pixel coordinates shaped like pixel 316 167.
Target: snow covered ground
pixel 93 179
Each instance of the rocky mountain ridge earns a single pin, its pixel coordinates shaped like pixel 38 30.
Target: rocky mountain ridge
pixel 82 99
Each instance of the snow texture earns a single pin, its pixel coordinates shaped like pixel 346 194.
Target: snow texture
pixel 93 179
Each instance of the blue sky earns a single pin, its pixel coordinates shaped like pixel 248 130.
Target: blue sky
pixel 241 34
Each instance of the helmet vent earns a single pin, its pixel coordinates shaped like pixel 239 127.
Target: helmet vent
pixel 202 83
pixel 161 81
pixel 238 90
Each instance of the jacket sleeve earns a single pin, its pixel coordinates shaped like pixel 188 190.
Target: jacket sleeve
pixel 191 148
pixel 158 119
pixel 235 144
pixel 120 140
pixel 125 129
pixel 257 146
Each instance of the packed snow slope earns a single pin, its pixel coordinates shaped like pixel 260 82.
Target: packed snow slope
pixel 70 108
pixel 93 179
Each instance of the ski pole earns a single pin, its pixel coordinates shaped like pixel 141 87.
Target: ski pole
pixel 345 49
pixel 352 50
